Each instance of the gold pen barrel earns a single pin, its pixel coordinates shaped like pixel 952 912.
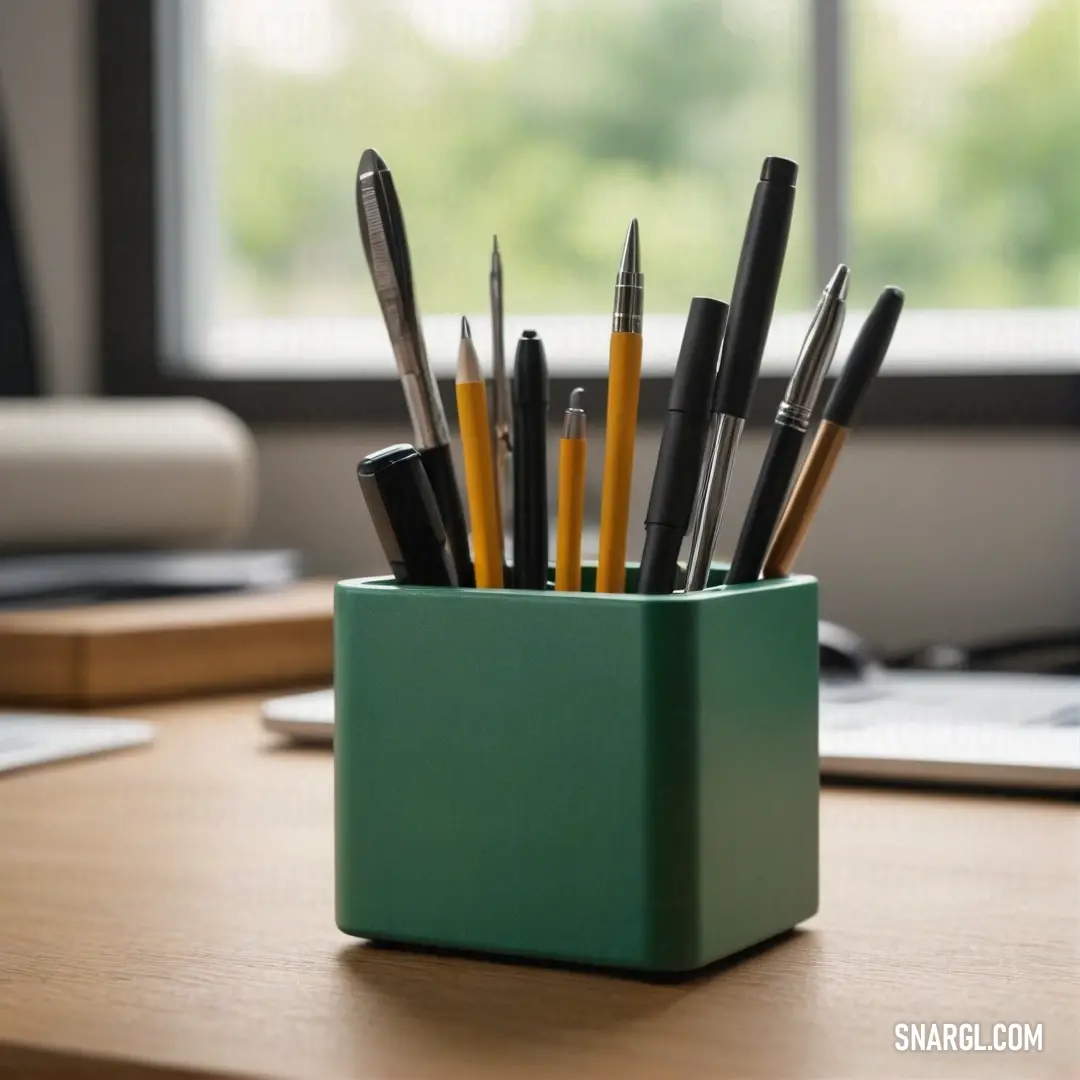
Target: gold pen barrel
pixel 805 499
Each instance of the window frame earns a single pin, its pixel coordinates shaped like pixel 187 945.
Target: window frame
pixel 131 361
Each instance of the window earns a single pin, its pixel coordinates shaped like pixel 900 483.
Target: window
pixel 936 139
pixel 965 154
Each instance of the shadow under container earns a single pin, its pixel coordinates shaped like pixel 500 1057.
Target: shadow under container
pixel 628 781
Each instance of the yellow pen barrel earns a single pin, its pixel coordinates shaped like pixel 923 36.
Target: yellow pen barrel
pixel 487 534
pixel 571 514
pixel 624 383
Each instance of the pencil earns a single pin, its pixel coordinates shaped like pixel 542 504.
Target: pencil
pixel 479 466
pixel 862 366
pixel 571 497
pixel 624 383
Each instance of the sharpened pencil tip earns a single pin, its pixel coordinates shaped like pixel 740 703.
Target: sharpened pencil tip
pixel 577 396
pixel 468 366
pixel 495 244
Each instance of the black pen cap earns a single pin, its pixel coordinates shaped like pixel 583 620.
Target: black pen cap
pixel 871 345
pixel 406 516
pixel 695 371
pixel 757 280
pixel 530 382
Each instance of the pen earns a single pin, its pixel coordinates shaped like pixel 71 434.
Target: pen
pixel 530 401
pixel 624 384
pixel 752 300
pixel 401 502
pixel 487 533
pixel 382 232
pixel 792 420
pixel 500 385
pixel 571 497
pixel 862 366
pixel 681 445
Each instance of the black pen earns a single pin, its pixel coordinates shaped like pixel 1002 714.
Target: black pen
pixel 402 504
pixel 792 420
pixel 529 438
pixel 682 444
pixel 753 297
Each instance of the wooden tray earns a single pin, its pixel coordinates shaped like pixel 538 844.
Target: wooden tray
pixel 135 650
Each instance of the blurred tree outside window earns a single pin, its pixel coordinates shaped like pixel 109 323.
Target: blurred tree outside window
pixel 552 122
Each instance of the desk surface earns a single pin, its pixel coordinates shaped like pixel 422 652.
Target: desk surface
pixel 172 909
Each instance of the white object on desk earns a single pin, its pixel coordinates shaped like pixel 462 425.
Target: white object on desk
pixel 306 717
pixel 103 473
pixel 953 727
pixel 28 739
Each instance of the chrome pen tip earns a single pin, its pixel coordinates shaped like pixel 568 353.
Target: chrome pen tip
pixel 838 283
pixel 631 255
pixel 629 282
pixel 466 331
pixel 574 422
pixel 494 244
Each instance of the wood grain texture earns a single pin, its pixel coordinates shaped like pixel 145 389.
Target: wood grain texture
pixel 137 650
pixel 171 908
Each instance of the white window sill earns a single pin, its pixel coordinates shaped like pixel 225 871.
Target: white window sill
pixel 927 342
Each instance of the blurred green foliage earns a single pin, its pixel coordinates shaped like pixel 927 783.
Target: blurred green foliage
pixel 661 109
pixel 966 185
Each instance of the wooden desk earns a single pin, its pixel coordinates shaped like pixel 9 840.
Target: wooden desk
pixel 172 909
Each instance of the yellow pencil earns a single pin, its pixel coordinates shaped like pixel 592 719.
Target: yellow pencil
pixel 624 382
pixel 571 497
pixel 484 518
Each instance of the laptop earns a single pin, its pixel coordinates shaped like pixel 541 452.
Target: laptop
pixel 950 728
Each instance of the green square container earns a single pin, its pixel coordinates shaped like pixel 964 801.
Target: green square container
pixel 629 781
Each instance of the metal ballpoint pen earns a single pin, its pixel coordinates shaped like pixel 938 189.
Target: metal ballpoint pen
pixel 792 420
pixel 500 383
pixel 862 366
pixel 382 231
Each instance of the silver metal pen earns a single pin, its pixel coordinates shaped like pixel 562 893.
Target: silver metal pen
pixel 500 383
pixel 792 420
pixel 382 232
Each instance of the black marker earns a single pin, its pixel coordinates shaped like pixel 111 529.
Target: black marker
pixel 530 393
pixel 678 465
pixel 402 505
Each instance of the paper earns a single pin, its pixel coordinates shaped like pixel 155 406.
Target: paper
pixel 28 739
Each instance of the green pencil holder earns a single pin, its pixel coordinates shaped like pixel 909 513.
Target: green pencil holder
pixel 629 781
